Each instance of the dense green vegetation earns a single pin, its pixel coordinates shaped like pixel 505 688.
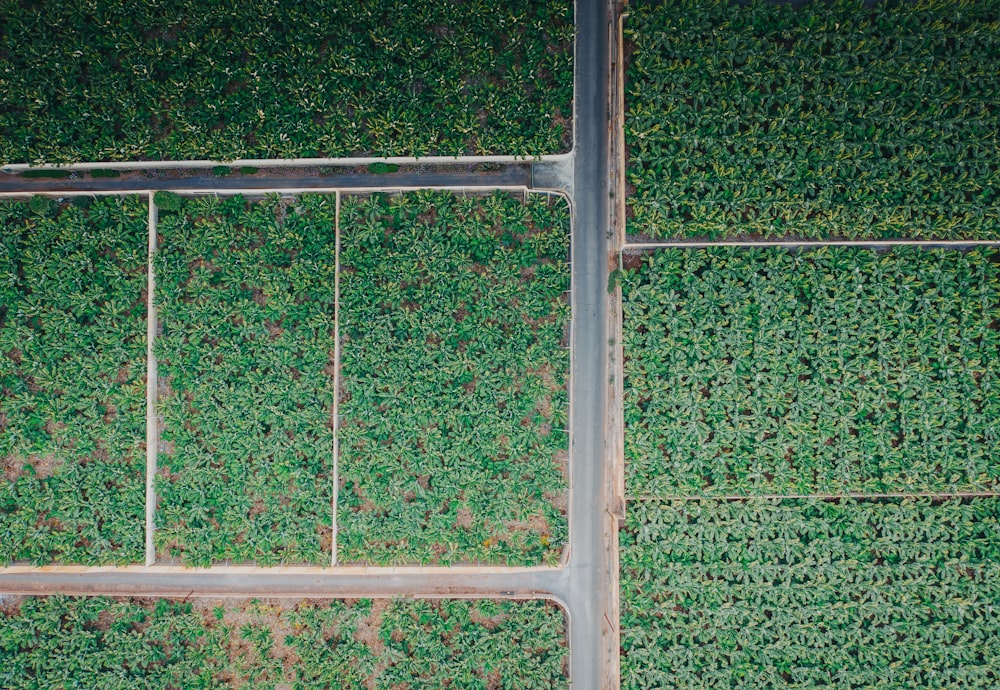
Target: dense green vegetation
pixel 804 594
pixel 306 645
pixel 72 380
pixel 453 323
pixel 827 120
pixel 768 371
pixel 183 79
pixel 245 293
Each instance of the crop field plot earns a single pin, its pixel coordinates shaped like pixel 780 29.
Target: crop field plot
pixel 840 370
pixel 302 644
pixel 183 80
pixel 454 365
pixel 245 295
pixel 72 380
pixel 792 594
pixel 830 120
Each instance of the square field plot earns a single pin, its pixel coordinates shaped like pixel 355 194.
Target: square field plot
pixel 821 120
pixel 72 380
pixel 768 371
pixel 271 644
pixel 454 358
pixel 245 297
pixel 806 594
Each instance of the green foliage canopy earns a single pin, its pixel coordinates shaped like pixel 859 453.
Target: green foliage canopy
pixel 72 381
pixel 826 120
pixel 183 79
pixel 454 365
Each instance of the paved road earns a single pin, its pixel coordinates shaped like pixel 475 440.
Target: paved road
pixel 587 569
pixel 583 585
pixel 518 174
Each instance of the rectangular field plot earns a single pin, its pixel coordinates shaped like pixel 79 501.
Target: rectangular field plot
pixel 766 371
pixel 304 644
pixel 204 80
pixel 72 380
pixel 453 405
pixel 245 295
pixel 795 594
pixel 828 120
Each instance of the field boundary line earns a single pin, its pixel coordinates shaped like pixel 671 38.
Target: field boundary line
pixel 336 374
pixel 264 191
pixel 346 162
pixel 809 244
pixel 152 432
pixel 819 497
pixel 228 570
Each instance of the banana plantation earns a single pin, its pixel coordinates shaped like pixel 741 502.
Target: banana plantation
pixel 245 295
pixel 72 380
pixel 194 80
pixel 892 593
pixel 121 644
pixel 845 119
pixel 454 318
pixel 769 371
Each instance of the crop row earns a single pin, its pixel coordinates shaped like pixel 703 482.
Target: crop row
pixel 187 79
pixel 127 643
pixel 453 320
pixel 454 401
pixel 793 594
pixel 769 371
pixel 826 120
pixel 72 380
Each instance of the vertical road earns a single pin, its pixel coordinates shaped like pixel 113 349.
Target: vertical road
pixel 588 585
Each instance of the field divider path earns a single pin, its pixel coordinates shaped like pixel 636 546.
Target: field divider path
pixel 336 375
pixel 732 498
pixel 344 162
pixel 152 433
pixel 807 244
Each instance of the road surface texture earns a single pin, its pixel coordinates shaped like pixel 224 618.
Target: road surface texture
pixel 514 175
pixel 583 586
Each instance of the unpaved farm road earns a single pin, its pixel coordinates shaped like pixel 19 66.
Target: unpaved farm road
pixel 583 585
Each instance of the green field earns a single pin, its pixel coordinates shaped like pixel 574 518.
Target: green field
pixel 453 406
pixel 767 371
pixel 763 372
pixel 806 594
pixel 245 297
pixel 121 644
pixel 72 380
pixel 829 120
pixel 179 80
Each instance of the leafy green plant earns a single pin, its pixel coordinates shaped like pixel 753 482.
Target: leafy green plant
pixel 838 370
pixel 380 168
pixel 794 594
pixel 41 205
pixel 453 406
pixel 245 295
pixel 168 201
pixel 221 170
pixel 72 390
pixel 127 643
pixel 248 170
pixel 105 173
pixel 832 119
pixel 183 80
